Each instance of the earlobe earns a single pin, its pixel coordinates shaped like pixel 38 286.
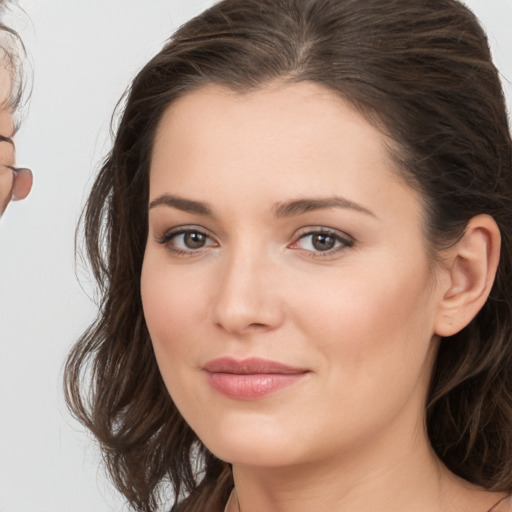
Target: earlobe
pixel 471 269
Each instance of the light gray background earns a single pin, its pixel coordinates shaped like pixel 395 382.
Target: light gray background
pixel 84 54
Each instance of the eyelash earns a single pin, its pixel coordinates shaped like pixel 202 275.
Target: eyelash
pixel 341 241
pixel 170 236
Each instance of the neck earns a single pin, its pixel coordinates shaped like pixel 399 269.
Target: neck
pixel 396 477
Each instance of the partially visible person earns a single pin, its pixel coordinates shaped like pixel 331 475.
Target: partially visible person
pixel 15 183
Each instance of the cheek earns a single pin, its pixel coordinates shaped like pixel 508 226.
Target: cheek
pixel 171 307
pixel 367 322
pixel 374 335
pixel 172 304
pixel 6 183
pixel 172 295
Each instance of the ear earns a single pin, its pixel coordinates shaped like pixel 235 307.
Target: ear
pixel 469 273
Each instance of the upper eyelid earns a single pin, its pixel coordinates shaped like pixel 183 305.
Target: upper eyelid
pixel 305 230
pixel 186 227
pixel 300 233
pixel 344 239
pixel 179 230
pixel 311 230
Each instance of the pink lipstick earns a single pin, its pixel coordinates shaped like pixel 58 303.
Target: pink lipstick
pixel 250 379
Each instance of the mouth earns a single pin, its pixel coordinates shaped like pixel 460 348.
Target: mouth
pixel 250 379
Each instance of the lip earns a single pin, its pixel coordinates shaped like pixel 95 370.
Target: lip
pixel 250 379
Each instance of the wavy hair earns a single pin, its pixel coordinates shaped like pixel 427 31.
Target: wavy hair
pixel 419 70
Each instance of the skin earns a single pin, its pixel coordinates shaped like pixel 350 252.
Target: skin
pixel 362 318
pixel 15 183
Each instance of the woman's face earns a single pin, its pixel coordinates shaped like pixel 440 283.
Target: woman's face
pixel 286 284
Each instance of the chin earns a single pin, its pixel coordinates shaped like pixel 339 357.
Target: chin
pixel 254 454
pixel 250 442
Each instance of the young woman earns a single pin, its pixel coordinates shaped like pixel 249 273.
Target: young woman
pixel 303 237
pixel 15 183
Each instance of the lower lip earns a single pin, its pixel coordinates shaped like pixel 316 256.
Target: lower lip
pixel 253 386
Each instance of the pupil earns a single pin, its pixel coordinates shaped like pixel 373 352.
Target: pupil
pixel 194 240
pixel 323 242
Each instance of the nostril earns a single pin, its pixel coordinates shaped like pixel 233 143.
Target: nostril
pixel 254 326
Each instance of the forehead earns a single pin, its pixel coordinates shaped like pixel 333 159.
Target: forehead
pixel 241 155
pixel 297 130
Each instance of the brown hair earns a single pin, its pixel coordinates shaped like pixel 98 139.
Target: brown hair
pixel 420 70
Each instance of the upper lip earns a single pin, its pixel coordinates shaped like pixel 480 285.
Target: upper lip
pixel 250 366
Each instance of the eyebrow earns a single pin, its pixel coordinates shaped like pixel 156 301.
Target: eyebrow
pixel 301 206
pixel 180 203
pixel 280 210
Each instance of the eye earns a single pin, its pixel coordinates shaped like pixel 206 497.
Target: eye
pixel 322 240
pixel 186 240
pixel 192 239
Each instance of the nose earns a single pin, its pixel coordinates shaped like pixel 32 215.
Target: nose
pixel 247 298
pixel 22 184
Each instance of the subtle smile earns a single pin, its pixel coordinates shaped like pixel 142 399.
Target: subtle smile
pixel 250 379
